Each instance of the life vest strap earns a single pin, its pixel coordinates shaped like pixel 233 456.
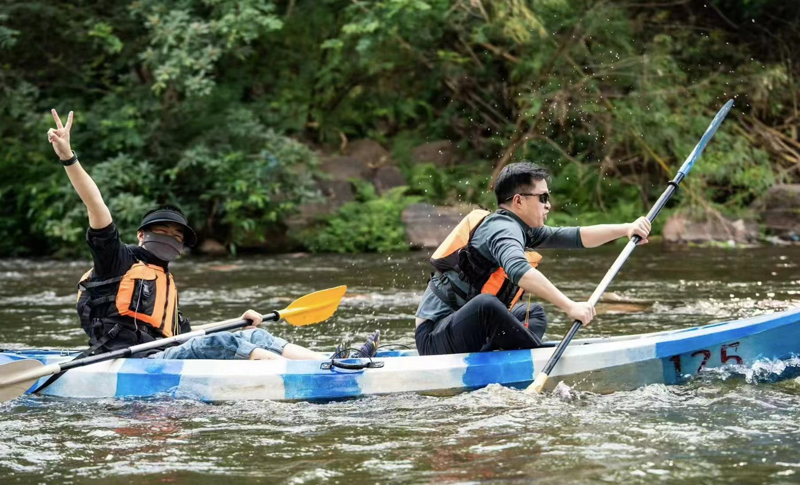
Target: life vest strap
pixel 83 285
pixel 455 289
pixel 101 300
pixel 448 295
pixel 448 299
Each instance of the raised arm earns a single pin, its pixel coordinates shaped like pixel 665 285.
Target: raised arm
pixel 99 215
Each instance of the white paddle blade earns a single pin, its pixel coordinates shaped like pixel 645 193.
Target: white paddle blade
pixel 18 376
pixel 539 384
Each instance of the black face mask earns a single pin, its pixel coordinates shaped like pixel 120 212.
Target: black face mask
pixel 165 248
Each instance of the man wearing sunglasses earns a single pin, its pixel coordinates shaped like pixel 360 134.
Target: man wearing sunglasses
pixel 458 314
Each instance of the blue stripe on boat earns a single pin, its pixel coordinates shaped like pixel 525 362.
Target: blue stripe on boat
pixel 510 367
pixel 305 380
pixel 146 377
pixel 5 358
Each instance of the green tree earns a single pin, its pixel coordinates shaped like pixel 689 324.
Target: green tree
pixel 191 102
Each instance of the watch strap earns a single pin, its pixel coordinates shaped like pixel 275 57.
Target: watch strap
pixel 70 161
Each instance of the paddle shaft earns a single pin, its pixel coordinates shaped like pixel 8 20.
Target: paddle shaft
pixel 612 272
pixel 156 344
pixel 654 211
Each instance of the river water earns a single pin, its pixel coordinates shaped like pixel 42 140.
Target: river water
pixel 719 427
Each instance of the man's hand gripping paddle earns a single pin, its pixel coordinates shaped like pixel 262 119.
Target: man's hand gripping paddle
pixel 18 376
pixel 542 379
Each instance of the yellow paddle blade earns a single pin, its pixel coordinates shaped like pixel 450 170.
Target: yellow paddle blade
pixel 314 307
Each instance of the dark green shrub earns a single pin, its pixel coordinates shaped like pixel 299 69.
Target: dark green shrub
pixel 371 224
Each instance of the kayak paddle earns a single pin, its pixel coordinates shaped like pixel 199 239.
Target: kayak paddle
pixel 542 379
pixel 306 310
pixel 18 376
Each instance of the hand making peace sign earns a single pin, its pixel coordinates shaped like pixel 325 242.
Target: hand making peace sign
pixel 59 138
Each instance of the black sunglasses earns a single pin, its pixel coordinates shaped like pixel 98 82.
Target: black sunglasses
pixel 544 198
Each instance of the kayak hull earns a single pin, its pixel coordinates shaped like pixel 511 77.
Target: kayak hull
pixel 598 365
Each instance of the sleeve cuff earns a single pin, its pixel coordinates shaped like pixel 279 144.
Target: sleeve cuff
pixel 99 232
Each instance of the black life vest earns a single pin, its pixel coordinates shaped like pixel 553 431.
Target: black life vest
pixel 483 276
pixel 141 306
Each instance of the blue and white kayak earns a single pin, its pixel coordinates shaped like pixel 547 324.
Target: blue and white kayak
pixel 598 365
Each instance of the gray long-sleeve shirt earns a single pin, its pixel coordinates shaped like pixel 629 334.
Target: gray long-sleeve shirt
pixel 502 239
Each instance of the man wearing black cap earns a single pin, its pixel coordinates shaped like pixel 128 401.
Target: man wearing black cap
pixel 164 233
pixel 129 296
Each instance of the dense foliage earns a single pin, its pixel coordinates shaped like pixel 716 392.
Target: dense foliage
pixel 197 102
pixel 367 225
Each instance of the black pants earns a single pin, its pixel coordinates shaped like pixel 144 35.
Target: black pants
pixel 483 324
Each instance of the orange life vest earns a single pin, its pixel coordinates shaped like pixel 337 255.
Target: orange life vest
pixel 482 275
pixel 145 293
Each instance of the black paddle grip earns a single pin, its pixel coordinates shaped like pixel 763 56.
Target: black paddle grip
pixel 561 346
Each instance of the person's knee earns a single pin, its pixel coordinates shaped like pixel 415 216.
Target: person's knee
pixel 224 340
pixel 537 320
pixel 259 337
pixel 265 340
pixel 537 311
pixel 523 310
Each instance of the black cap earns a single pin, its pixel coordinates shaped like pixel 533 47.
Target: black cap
pixel 168 215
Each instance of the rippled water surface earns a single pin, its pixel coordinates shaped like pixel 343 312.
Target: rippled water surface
pixel 717 428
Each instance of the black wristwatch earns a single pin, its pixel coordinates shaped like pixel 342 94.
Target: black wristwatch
pixel 70 161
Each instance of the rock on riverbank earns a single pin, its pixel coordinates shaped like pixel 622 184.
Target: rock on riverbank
pixel 681 229
pixel 428 225
pixel 780 211
pixel 777 213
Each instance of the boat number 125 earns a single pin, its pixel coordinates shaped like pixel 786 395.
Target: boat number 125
pixel 724 356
